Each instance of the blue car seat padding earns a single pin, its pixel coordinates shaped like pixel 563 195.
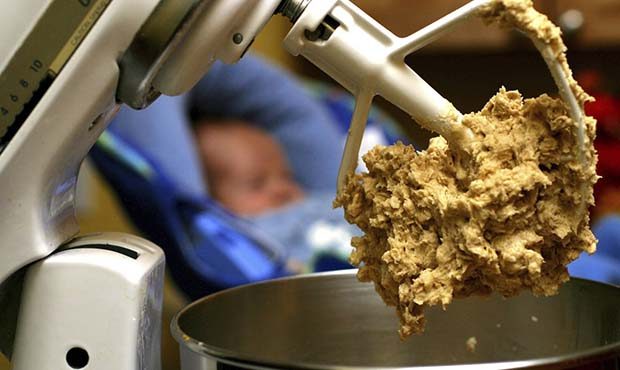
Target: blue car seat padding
pixel 207 248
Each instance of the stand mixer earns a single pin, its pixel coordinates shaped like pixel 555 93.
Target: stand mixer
pixel 65 69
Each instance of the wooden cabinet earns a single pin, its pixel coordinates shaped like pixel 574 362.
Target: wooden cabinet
pixel 601 26
pixel 404 17
pixel 601 21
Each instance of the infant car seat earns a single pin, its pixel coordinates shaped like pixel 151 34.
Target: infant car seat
pixel 207 248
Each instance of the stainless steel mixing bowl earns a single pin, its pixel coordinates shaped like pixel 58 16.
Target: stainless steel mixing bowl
pixel 332 321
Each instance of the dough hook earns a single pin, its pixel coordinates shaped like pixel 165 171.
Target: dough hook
pixel 368 60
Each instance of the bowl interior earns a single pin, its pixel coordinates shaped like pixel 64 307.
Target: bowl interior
pixel 329 320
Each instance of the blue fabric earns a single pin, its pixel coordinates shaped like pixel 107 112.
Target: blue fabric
pixel 260 93
pixel 252 90
pixel 604 265
pixel 207 249
pixel 311 232
pixel 162 132
pixel 341 104
pixel 151 160
pixel 607 231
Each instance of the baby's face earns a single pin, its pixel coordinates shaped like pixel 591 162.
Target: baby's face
pixel 246 169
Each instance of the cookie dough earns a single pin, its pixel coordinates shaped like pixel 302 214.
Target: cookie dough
pixel 506 215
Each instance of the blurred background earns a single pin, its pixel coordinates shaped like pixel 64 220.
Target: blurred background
pixel 467 67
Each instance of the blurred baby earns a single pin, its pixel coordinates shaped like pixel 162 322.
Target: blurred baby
pixel 246 169
pixel 248 173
